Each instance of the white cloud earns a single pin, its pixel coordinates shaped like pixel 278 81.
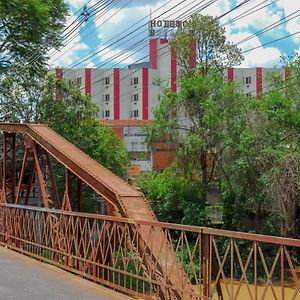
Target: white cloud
pixel 113 16
pixel 80 3
pixel 291 6
pixel 116 55
pixel 174 10
pixel 262 17
pixel 268 56
pixel 113 23
pixel 68 53
pixel 117 19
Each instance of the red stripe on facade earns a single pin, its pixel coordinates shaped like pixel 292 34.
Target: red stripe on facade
pixel 116 93
pixel 59 73
pixel 230 74
pixel 145 95
pixel 88 85
pixel 173 71
pixel 164 41
pixel 153 53
pixel 192 60
pixel 258 83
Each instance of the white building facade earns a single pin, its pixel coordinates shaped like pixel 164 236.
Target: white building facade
pixel 126 97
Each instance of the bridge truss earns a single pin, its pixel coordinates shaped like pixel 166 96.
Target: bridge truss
pixel 40 147
pixel 127 249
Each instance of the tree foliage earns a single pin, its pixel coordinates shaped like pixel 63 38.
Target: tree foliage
pixel 206 107
pixel 195 119
pixel 71 116
pixel 28 29
pixel 207 38
pixel 174 198
pixel 262 169
pixel 250 148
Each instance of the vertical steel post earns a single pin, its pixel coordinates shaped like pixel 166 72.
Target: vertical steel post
pixel 21 177
pixel 52 179
pixel 42 183
pixel 66 203
pixel 206 265
pixel 13 165
pixel 4 166
pixel 79 194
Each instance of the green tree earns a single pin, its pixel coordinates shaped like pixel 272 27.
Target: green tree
pixel 261 186
pixel 206 108
pixel 61 105
pixel 205 100
pixel 72 116
pixel 196 119
pixel 174 198
pixel 205 35
pixel 20 94
pixel 28 29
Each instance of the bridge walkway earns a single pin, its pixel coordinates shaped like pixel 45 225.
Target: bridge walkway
pixel 23 278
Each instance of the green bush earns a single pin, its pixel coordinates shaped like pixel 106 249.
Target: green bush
pixel 174 198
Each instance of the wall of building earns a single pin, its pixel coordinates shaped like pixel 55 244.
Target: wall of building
pixel 131 95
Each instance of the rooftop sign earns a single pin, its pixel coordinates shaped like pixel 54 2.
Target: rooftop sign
pixel 167 23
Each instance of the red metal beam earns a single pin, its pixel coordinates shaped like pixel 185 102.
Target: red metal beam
pixel 129 201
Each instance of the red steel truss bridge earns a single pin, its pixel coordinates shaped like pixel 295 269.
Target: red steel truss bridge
pixel 126 249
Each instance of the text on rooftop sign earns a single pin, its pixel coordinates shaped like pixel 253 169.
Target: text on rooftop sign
pixel 167 23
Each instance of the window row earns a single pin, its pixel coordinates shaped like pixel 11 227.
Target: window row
pixel 133 113
pixel 133 81
pixel 106 80
pixel 134 98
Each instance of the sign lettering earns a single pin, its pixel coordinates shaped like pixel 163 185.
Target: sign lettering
pixel 167 23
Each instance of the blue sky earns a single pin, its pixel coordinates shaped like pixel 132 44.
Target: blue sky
pixel 131 16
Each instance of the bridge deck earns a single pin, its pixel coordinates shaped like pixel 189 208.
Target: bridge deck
pixel 24 278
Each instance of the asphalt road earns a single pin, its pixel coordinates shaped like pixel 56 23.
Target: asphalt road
pixel 24 278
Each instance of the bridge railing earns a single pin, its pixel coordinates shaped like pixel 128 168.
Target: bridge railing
pixel 219 264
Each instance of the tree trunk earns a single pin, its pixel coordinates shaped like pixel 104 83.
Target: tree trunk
pixel 204 173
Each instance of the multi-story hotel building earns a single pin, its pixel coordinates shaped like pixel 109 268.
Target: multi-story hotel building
pixel 126 97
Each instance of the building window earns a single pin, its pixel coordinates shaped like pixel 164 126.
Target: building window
pixel 135 98
pixel 106 80
pixel 107 113
pixel 135 113
pixel 134 81
pixel 106 97
pixel 78 80
pixel 247 80
pixel 248 95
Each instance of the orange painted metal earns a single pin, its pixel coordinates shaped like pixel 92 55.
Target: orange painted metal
pixel 127 202
pixel 107 250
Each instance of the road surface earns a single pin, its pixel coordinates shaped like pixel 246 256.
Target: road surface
pixel 23 278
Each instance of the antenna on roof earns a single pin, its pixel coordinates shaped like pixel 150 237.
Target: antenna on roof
pixel 151 30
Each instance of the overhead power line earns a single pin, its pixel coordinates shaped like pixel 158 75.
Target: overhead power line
pixel 103 7
pixel 108 47
pixel 271 42
pixel 123 78
pixel 90 32
pixel 237 43
pixel 68 30
pixel 125 36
